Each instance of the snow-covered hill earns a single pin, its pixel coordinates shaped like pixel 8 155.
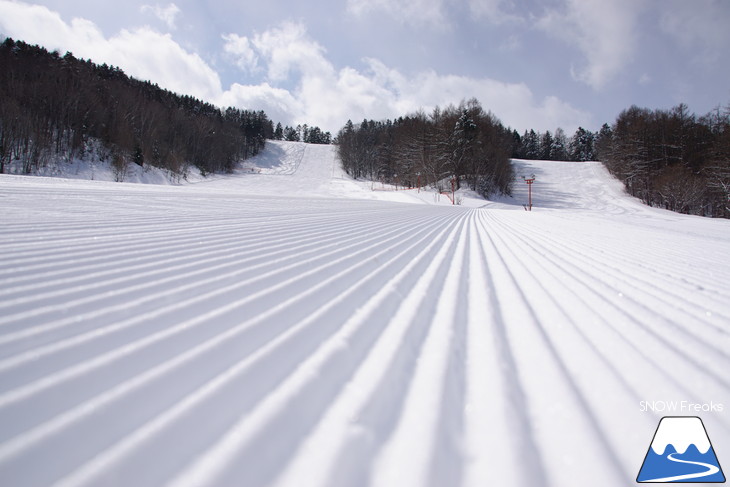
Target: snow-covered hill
pixel 283 326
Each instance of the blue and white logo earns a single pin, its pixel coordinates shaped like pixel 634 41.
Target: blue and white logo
pixel 681 452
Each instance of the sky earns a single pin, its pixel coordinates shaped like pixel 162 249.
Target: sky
pixel 535 64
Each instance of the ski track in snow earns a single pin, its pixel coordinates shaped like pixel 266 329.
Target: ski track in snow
pixel 284 328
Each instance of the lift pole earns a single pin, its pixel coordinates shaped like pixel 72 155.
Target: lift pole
pixel 529 182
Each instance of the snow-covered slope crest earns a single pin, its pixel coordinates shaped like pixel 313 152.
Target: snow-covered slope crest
pixel 96 165
pixel 299 169
pixel 680 432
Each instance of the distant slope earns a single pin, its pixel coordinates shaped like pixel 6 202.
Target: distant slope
pixel 291 168
pixel 298 169
pixel 574 186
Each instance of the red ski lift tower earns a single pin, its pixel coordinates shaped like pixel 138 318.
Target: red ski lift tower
pixel 529 181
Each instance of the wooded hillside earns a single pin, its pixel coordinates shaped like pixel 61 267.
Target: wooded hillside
pixel 671 158
pixel 462 143
pixel 57 106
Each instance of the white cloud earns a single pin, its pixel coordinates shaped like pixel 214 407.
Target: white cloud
pixel 605 32
pixel 37 24
pixel 406 11
pixel 241 51
pixel 166 14
pixel 327 97
pixel 279 104
pixel 496 11
pixel 700 26
pixel 436 13
pixel 147 54
pixel 288 49
pixel 511 43
pixel 513 103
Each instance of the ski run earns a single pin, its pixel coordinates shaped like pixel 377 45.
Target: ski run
pixel 288 326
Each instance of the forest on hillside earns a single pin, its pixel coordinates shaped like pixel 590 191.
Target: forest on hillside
pixel 555 146
pixel 671 159
pixel 60 107
pixel 461 143
pixel 302 133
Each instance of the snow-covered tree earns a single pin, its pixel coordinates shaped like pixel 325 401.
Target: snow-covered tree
pixel 604 142
pixel 291 134
pixel 559 151
pixel 546 146
pixel 530 145
pixel 581 145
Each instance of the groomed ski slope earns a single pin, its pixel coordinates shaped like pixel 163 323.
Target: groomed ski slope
pixel 284 326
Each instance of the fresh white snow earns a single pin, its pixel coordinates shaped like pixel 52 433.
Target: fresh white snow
pixel 289 326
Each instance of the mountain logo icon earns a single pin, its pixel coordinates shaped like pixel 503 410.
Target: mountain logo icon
pixel 681 452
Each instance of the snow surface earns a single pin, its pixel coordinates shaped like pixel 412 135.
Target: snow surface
pixel 289 326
